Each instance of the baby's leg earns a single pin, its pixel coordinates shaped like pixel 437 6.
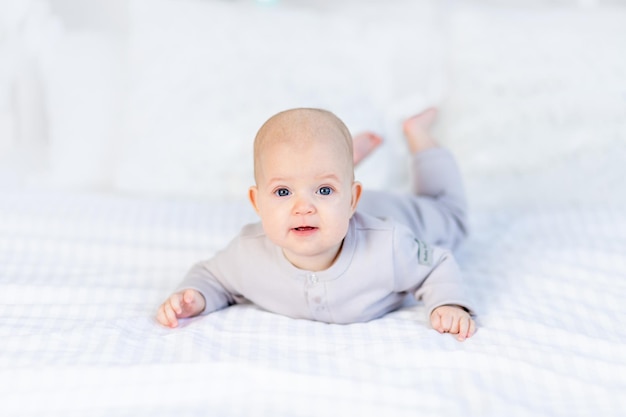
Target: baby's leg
pixel 363 144
pixel 437 210
pixel 417 131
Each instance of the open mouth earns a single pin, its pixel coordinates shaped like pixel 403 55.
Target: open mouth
pixel 304 228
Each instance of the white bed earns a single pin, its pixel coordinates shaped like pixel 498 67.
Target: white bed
pixel 81 277
pixel 90 245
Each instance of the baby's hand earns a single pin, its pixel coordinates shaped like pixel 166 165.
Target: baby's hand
pixel 183 304
pixel 453 319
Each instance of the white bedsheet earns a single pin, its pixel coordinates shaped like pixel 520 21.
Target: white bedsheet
pixel 81 277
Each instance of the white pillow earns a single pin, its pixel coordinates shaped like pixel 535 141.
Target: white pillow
pixel 206 74
pixel 60 102
pixel 82 76
pixel 536 112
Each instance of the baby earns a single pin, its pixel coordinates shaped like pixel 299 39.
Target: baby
pixel 314 256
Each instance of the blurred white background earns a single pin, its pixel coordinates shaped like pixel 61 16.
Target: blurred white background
pixel 163 97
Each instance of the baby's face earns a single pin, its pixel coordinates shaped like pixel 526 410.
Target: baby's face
pixel 305 196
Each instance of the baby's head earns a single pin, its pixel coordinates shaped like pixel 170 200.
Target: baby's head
pixel 301 127
pixel 305 191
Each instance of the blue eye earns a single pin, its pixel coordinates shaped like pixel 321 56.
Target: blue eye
pixel 325 191
pixel 282 192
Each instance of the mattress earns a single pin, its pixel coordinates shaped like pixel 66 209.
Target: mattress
pixel 81 276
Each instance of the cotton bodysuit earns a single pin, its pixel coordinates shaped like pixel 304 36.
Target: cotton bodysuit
pixel 395 245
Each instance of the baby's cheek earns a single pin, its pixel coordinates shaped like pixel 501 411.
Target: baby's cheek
pixel 276 228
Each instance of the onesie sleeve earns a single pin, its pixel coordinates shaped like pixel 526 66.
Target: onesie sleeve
pixel 428 272
pixel 202 279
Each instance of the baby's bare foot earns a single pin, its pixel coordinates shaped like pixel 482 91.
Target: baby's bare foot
pixel 417 130
pixel 363 144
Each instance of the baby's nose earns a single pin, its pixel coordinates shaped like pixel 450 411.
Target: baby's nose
pixel 303 206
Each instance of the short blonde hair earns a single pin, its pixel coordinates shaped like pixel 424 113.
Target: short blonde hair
pixel 310 122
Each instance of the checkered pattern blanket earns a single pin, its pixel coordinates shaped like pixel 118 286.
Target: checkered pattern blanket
pixel 81 277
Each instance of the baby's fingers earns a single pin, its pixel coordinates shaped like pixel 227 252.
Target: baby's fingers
pixel 161 318
pixel 435 321
pixel 166 315
pixel 172 315
pixel 448 323
pixel 189 297
pixel 464 325
pixel 175 302
pixel 466 328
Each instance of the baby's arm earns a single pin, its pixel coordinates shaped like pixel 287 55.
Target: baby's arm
pixel 453 319
pixel 201 292
pixel 182 304
pixel 439 284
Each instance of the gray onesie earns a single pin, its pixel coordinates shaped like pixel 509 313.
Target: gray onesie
pixel 387 253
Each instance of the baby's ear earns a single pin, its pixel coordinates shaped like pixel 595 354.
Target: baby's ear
pixel 357 188
pixel 253 193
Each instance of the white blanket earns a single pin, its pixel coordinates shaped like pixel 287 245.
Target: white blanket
pixel 82 275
